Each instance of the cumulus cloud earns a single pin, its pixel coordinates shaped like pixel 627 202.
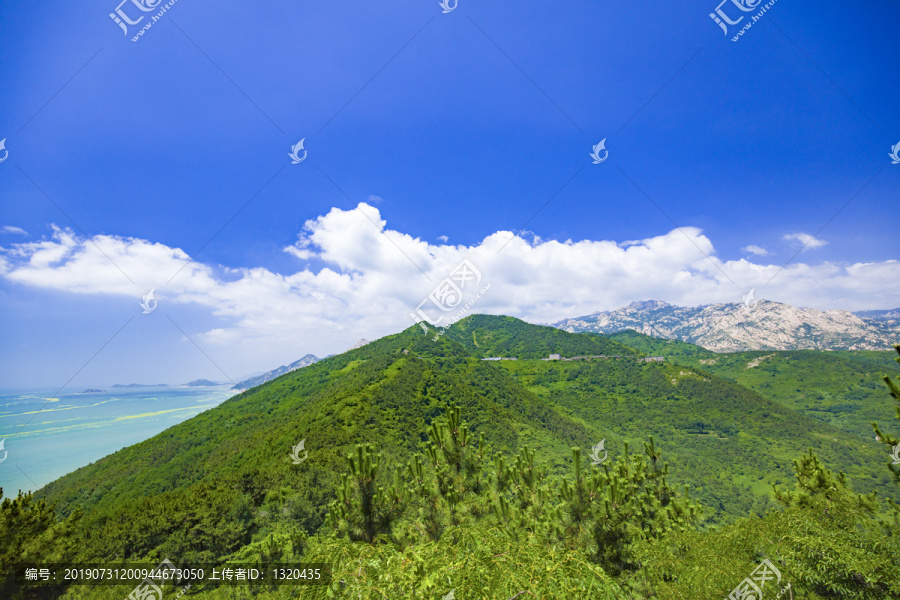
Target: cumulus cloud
pixel 809 242
pixel 443 238
pixel 757 250
pixel 371 278
pixel 13 229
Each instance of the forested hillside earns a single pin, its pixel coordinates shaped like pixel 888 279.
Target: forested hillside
pixel 485 477
pixel 486 336
pixel 842 388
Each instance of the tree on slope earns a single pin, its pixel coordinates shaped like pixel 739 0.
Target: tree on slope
pixel 889 441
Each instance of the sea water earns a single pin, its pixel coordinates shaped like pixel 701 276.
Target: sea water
pixel 47 435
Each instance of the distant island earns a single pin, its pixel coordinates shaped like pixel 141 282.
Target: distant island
pixel 139 385
pixel 92 391
pixel 195 383
pixel 202 383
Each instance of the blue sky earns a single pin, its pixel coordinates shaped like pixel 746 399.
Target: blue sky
pixel 725 158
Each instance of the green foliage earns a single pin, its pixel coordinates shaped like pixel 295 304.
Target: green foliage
pixel 363 509
pixel 726 442
pixel 824 544
pixel 475 562
pixel 889 441
pixel 886 439
pixel 203 524
pixel 621 505
pixel 652 346
pixel 450 491
pixel 818 488
pixel 601 515
pixel 523 497
pixel 485 336
pixel 30 532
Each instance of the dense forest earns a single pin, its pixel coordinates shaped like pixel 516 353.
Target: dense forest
pixel 842 388
pixel 434 474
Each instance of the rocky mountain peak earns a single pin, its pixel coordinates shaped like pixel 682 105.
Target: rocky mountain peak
pixel 642 305
pixel 735 327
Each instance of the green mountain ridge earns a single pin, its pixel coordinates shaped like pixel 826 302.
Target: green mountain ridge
pixel 387 391
pixel 224 486
pixel 360 387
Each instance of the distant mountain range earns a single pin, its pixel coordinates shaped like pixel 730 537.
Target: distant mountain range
pixel 261 379
pixel 307 360
pixel 734 327
pixel 891 316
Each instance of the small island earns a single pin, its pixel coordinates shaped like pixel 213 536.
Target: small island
pixel 92 391
pixel 201 383
pixel 139 385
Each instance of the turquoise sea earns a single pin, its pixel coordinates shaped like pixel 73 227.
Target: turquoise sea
pixel 71 430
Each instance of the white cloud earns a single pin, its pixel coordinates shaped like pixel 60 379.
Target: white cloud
pixel 809 242
pixel 443 238
pixel 375 277
pixel 757 250
pixel 13 229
